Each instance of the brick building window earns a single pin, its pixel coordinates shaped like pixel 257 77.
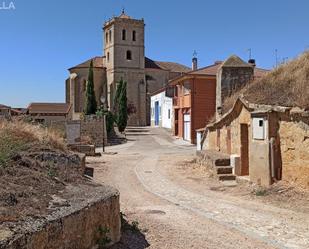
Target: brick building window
pixel 106 37
pixel 123 34
pixel 134 35
pixel 110 36
pixel 186 88
pixel 129 55
pixel 107 56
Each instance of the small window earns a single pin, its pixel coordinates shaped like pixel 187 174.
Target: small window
pixel 110 36
pixel 259 128
pixel 169 114
pixel 123 34
pixel 186 88
pixel 134 35
pixel 129 55
pixel 106 39
pixel 107 56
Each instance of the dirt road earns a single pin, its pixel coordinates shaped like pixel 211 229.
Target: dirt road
pixel 175 215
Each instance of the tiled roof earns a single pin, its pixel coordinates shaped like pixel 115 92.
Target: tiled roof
pixel 163 65
pixel 124 15
pixel 209 70
pixel 4 107
pixel 50 108
pixel 97 63
pixel 260 72
pixel 232 61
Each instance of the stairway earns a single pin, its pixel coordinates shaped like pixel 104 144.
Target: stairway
pixel 224 169
pixel 220 162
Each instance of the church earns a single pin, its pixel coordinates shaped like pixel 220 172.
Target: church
pixel 123 58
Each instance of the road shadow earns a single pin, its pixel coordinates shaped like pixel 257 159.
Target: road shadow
pixel 131 236
pixel 137 130
pixel 137 134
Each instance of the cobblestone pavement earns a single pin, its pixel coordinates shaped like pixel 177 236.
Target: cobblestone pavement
pixel 175 217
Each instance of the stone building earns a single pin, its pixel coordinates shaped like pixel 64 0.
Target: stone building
pixel 123 58
pixel 233 74
pixel 270 142
pixel 47 113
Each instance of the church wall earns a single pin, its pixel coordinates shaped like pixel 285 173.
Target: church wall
pixel 79 89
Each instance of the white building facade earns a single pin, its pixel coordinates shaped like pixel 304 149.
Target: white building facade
pixel 161 110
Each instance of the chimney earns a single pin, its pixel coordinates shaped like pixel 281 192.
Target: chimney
pixel 194 63
pixel 252 62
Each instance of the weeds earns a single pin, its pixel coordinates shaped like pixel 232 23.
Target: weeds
pixel 260 192
pixel 104 238
pixel 16 136
pixel 134 226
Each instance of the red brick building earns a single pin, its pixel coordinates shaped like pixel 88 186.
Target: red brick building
pixel 194 102
pixel 198 92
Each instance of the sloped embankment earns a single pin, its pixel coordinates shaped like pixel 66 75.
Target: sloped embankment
pixel 45 202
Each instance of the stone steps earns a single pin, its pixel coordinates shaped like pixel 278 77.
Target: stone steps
pixel 224 170
pixel 223 162
pixel 227 177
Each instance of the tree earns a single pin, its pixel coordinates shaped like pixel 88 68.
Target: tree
pixel 122 108
pixel 91 103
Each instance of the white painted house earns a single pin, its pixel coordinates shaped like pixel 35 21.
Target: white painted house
pixel 161 109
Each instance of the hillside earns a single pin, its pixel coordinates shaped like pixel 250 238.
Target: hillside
pixel 34 165
pixel 287 85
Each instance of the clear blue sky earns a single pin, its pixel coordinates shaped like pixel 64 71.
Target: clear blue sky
pixel 40 39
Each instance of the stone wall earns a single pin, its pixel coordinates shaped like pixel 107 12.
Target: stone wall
pixel 234 126
pixel 229 80
pixel 93 128
pixel 76 226
pixel 294 143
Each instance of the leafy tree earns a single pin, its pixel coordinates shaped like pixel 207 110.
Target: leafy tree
pixel 122 108
pixel 91 103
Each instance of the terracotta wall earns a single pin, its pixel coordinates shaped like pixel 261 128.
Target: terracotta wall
pixel 203 103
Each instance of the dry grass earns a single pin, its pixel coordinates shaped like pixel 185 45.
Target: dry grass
pixel 18 135
pixel 287 85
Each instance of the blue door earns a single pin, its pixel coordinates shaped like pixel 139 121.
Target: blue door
pixel 157 114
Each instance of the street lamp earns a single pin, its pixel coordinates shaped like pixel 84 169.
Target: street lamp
pixel 103 100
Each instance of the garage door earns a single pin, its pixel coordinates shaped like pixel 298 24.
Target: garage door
pixel 187 127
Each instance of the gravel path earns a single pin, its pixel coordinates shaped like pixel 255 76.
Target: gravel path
pixel 172 216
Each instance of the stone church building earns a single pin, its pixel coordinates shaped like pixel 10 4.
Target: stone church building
pixel 123 58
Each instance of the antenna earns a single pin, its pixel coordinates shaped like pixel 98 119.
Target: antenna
pixel 249 50
pixel 276 57
pixel 194 54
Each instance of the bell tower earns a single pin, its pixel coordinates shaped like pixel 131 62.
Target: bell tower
pixel 124 52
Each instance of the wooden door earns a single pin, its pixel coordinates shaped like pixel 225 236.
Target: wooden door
pixel 244 149
pixel 228 140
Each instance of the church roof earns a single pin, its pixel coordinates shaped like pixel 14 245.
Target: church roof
pixel 97 63
pixel 124 15
pixel 168 66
